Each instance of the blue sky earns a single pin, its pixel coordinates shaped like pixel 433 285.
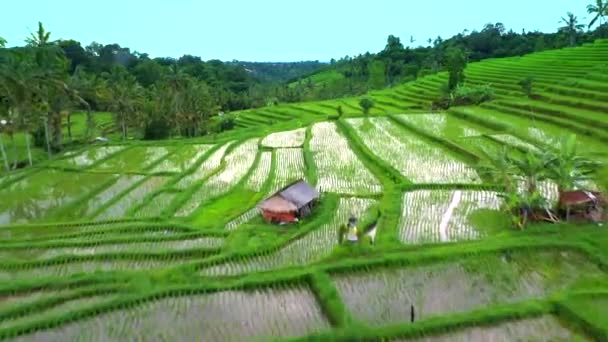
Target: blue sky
pixel 270 30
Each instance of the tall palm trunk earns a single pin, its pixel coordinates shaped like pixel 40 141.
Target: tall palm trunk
pixel 573 39
pixel 4 156
pixel 47 136
pixel 90 123
pixel 69 123
pixel 15 157
pixel 29 149
pixel 124 126
pixel 56 129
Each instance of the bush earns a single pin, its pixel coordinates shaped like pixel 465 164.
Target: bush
pixel 227 122
pixel 464 95
pixel 526 85
pixel 366 104
pixel 156 130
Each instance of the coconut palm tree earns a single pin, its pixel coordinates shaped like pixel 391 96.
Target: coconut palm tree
pixel 19 82
pixel 125 97
pixel 600 9
pixel 2 42
pixel 572 27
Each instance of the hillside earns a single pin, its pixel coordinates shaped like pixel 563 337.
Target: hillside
pixel 162 239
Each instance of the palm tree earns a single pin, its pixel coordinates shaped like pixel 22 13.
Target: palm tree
pixel 572 27
pixel 126 97
pixel 534 169
pixel 500 169
pixel 600 9
pixel 567 168
pixel 39 39
pixel 19 82
pixel 2 42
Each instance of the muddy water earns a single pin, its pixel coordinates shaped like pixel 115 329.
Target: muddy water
pixel 536 329
pixel 386 296
pixel 260 315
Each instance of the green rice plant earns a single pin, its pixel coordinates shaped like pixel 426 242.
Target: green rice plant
pixel 416 159
pixel 89 156
pixel 442 215
pixel 102 247
pixel 86 230
pixel 260 174
pixel 339 169
pixel 34 198
pixel 544 328
pixel 386 296
pixel 81 267
pixel 70 305
pixel 238 163
pixel 132 198
pixel 183 159
pixel 263 314
pixel 293 138
pixel 135 159
pixel 587 311
pixel 310 248
pixel 156 206
pixel 290 167
pixel 108 194
pixel 242 219
pixel 205 169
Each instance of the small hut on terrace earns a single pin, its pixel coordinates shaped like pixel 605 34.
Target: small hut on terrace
pixel 583 205
pixel 290 204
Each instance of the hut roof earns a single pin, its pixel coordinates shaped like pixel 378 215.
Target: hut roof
pixel 291 198
pixel 277 204
pixel 580 197
pixel 299 193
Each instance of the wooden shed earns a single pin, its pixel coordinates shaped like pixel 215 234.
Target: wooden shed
pixel 290 204
pixel 583 205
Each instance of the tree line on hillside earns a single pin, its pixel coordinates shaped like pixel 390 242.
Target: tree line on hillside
pixel 398 63
pixel 45 81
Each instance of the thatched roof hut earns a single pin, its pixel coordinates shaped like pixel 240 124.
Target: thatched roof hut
pixel 289 204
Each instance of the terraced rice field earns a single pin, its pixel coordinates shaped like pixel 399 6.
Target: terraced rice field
pixel 441 215
pixel 260 174
pixel 206 168
pixel 416 159
pixel 386 296
pixel 90 156
pixel 238 162
pixel 544 328
pixel 262 314
pixel 32 199
pixel 36 253
pixel 135 159
pixel 339 169
pixel 293 138
pixel 314 246
pixel 132 198
pixel 183 159
pixel 122 184
pixel 156 242
pixel 156 206
pixel 290 167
